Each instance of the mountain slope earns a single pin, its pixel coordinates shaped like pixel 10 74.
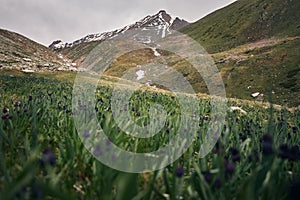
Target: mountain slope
pixel 255 44
pixel 246 21
pixel 21 53
pixel 268 63
pixel 78 49
pixel 162 20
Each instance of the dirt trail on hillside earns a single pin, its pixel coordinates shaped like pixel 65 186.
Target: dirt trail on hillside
pixel 239 53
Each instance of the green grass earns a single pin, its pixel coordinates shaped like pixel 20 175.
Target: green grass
pixel 39 118
pixel 273 68
pixel 246 21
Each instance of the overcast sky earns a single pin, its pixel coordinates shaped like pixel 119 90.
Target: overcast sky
pixel 47 20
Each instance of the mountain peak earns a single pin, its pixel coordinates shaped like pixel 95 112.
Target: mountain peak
pixel 162 21
pixel 162 11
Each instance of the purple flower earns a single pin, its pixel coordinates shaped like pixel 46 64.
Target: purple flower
pixel 242 136
pixel 86 134
pixel 235 155
pixel 218 183
pixel 284 151
pixel 294 153
pixel 48 158
pixel 97 151
pixel 267 138
pixel 207 177
pixel 108 144
pixel 179 171
pixel 168 130
pixel 26 111
pixel 5 110
pixel 230 168
pixel 217 148
pixel 267 144
pixel 17 104
pixel 113 157
pixel 294 129
pixel 206 118
pixel 267 149
pixel 6 116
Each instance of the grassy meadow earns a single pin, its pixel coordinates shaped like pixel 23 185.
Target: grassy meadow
pixel 42 156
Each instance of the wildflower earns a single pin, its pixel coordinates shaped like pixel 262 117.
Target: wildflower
pixel 294 128
pixel 179 171
pixel 267 138
pixel 253 157
pixel 207 176
pixel 26 111
pixel 5 110
pixel 267 144
pixel 242 136
pixel 230 168
pixel 267 148
pixel 113 157
pixel 108 144
pixel 6 116
pixel 48 157
pixel 97 151
pixel 17 104
pixel 218 149
pixel 86 134
pixel 284 151
pixel 294 153
pixel 168 130
pixel 218 183
pixel 235 155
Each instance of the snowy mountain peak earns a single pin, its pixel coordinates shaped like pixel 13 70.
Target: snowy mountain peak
pixel 161 21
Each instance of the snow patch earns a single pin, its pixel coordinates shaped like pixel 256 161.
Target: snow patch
pixel 163 32
pixel 155 52
pixel 140 74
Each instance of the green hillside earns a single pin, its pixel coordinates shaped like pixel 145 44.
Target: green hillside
pixel 246 21
pixel 255 44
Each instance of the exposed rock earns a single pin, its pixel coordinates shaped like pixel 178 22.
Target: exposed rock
pixel 255 94
pixel 233 108
pixel 28 71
